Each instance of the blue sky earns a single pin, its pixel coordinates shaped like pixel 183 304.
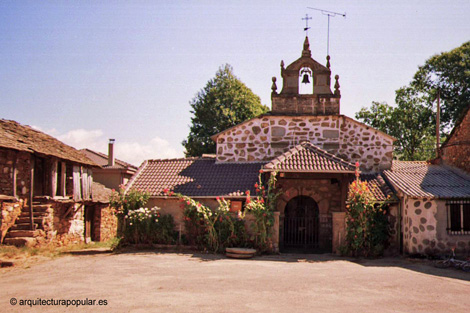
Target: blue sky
pixel 86 71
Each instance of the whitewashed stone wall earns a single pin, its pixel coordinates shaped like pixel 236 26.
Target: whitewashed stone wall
pixel 264 138
pixel 425 229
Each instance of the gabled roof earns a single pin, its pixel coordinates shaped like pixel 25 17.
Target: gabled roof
pixel 421 179
pixel 306 157
pixel 102 160
pixel 269 114
pixel 196 177
pixel 19 137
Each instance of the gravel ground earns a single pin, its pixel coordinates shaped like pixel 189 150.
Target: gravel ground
pixel 186 282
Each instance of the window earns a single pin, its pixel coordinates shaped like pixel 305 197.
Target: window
pixel 458 217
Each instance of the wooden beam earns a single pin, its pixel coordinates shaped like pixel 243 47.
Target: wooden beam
pixel 15 174
pixel 63 179
pixel 54 177
pixel 77 192
pixel 31 192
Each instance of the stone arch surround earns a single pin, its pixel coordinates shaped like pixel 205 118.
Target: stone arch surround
pixel 326 195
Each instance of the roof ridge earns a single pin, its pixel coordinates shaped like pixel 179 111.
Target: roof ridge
pixel 328 154
pixel 105 156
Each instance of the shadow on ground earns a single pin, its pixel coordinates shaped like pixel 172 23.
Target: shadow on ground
pixel 417 265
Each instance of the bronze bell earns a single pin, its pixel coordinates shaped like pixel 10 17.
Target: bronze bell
pixel 305 80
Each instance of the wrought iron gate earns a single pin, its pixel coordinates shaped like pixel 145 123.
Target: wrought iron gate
pixel 301 224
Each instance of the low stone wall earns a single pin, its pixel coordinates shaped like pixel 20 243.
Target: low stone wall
pixel 9 210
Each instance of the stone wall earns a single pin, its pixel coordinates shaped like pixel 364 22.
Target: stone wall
pixel 263 138
pixel 456 152
pixel 7 164
pixel 105 223
pixel 425 229
pixel 9 211
pixel 306 104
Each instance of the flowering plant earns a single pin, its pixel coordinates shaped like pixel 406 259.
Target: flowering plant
pixel 145 226
pixel 262 208
pixel 366 220
pixel 123 201
pixel 214 229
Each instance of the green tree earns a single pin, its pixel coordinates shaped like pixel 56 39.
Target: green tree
pixel 224 102
pixel 448 72
pixel 411 122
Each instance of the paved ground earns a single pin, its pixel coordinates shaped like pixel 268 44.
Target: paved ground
pixel 171 282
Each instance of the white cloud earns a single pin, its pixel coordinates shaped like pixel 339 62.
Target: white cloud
pixel 132 152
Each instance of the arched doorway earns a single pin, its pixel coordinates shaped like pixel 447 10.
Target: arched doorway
pixel 301 224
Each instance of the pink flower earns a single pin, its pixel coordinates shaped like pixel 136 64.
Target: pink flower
pixel 256 185
pixel 165 190
pixel 188 202
pixel 357 164
pixel 217 198
pixel 198 205
pixel 261 171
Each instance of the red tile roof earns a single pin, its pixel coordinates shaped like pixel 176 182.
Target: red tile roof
pixel 102 160
pixel 306 157
pixel 378 187
pixel 421 179
pixel 19 137
pixel 196 177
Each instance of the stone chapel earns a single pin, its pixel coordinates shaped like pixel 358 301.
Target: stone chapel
pixel 306 140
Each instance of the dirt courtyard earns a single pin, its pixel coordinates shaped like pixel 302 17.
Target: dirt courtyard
pixel 186 282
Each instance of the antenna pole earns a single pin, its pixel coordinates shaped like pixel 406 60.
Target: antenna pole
pixel 329 14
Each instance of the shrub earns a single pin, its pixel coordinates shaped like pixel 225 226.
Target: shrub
pixel 123 201
pixel 146 226
pixel 366 221
pixel 262 208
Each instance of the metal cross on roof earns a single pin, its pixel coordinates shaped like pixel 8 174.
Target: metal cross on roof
pixel 306 18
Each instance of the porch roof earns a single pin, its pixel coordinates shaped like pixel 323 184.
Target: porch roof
pixel 421 179
pixel 307 157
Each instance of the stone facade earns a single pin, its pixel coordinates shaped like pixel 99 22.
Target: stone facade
pixel 105 223
pixel 266 137
pixel 9 212
pixel 456 151
pixel 7 165
pixel 425 228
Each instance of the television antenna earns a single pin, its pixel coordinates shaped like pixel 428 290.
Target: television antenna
pixel 329 14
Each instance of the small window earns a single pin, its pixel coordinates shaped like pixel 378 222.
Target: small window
pixel 458 217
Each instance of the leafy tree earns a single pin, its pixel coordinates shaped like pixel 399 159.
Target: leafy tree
pixel 411 122
pixel 448 72
pixel 224 102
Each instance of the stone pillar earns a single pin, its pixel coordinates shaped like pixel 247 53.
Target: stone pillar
pixel 339 231
pixel 275 235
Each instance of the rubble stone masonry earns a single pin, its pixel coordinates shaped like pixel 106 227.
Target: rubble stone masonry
pixel 266 137
pixel 456 151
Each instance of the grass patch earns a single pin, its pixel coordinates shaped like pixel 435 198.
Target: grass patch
pixel 26 255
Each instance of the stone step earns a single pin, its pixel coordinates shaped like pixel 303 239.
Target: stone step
pixel 26 219
pixel 35 214
pixel 37 208
pixel 24 226
pixel 20 241
pixel 22 233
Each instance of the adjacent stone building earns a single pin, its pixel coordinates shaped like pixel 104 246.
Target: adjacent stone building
pixel 455 150
pixel 51 184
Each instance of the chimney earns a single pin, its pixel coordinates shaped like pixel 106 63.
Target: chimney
pixel 111 152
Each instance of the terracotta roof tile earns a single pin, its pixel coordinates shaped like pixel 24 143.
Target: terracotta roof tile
pixel 19 137
pixel 420 179
pixel 195 177
pixel 306 157
pixel 378 187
